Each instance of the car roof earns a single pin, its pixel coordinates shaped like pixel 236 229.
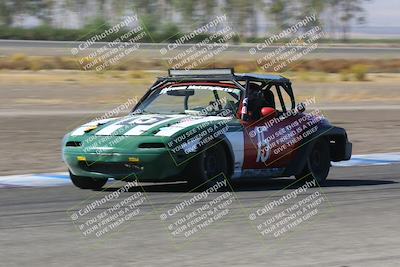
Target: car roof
pixel 218 75
pixel 269 77
pixel 221 74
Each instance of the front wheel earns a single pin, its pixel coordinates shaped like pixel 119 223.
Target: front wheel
pixel 318 162
pixel 208 168
pixel 87 182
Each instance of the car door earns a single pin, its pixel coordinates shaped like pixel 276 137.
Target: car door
pixel 269 143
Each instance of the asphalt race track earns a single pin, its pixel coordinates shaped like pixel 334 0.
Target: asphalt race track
pixel 357 226
pixel 62 48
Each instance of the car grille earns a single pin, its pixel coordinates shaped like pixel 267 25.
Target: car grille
pixel 110 167
pixel 152 145
pixel 73 143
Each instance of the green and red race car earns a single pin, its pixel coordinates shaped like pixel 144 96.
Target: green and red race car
pixel 196 125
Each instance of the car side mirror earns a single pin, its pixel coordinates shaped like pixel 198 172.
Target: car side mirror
pixel 268 111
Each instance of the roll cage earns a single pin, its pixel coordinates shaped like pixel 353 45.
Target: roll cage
pixel 240 80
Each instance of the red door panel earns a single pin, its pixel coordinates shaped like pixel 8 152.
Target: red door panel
pixel 270 142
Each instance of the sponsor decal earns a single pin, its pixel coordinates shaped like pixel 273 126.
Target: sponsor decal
pixel 200 87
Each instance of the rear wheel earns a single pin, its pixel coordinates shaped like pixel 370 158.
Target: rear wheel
pixel 318 162
pixel 208 168
pixel 87 182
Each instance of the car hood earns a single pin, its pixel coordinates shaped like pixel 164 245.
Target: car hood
pixel 147 125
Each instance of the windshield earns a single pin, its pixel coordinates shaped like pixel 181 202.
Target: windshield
pixel 193 99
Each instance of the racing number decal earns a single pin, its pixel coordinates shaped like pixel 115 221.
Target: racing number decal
pixel 144 120
pixel 135 126
pixel 263 149
pixel 256 147
pixel 266 145
pixel 143 124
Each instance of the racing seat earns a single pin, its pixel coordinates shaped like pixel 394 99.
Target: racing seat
pixel 269 99
pixel 254 104
pixel 258 100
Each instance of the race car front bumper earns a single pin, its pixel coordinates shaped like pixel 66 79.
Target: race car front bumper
pixel 147 167
pixel 348 151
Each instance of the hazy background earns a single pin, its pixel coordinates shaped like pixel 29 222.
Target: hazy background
pixel 340 18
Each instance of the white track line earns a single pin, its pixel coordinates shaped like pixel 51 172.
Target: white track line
pixel 370 159
pixel 35 180
pixel 62 178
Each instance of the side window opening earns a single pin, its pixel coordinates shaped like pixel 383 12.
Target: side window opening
pixel 281 97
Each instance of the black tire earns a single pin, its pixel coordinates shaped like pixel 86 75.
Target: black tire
pixel 207 168
pixel 318 162
pixel 87 182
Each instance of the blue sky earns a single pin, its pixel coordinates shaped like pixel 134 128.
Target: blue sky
pixel 383 13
